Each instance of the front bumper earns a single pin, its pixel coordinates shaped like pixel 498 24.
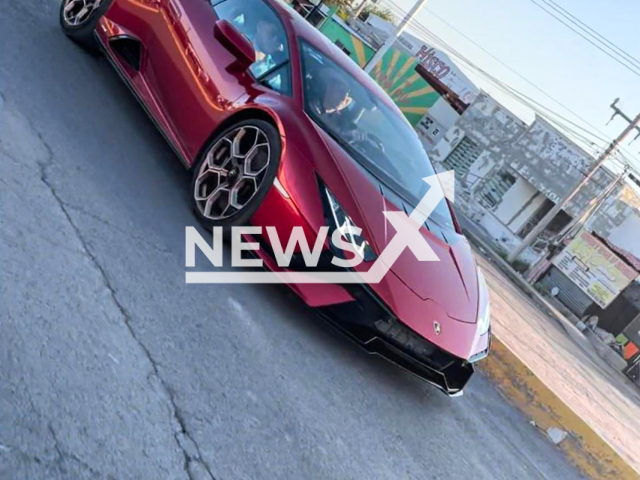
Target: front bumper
pixel 367 321
pixel 358 312
pixel 365 317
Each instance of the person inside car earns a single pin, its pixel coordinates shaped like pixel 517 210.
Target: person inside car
pixel 329 97
pixel 269 45
pixel 331 102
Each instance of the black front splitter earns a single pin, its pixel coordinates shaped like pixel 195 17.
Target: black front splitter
pixel 450 378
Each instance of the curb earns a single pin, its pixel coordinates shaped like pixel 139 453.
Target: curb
pixel 583 446
pixel 486 251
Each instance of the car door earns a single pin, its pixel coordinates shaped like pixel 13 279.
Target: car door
pixel 192 73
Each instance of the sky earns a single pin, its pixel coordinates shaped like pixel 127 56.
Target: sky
pixel 547 54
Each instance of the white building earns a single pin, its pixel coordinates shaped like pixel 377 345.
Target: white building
pixel 510 174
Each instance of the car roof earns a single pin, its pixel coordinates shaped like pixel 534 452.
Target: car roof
pixel 304 30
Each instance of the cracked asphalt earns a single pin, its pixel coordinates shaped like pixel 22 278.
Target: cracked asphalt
pixel 111 367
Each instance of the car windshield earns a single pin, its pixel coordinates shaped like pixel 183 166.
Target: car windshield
pixel 375 136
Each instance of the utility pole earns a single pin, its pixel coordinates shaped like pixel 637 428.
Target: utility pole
pixel 356 13
pixel 546 220
pixel 574 228
pixel 593 207
pixel 394 36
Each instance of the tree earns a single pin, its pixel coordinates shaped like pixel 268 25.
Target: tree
pixel 342 4
pixel 383 13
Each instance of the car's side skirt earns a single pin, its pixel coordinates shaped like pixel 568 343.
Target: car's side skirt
pixel 132 88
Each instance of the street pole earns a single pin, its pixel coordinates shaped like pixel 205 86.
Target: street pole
pixel 356 13
pixel 574 228
pixel 593 208
pixel 546 220
pixel 394 36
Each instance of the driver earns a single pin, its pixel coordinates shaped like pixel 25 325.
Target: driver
pixel 269 45
pixel 329 100
pixel 267 37
pixel 331 95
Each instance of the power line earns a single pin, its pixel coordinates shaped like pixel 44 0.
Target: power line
pixel 418 26
pixel 580 34
pixel 518 74
pixel 541 110
pixel 620 51
pixel 563 202
pixel 531 103
pixel 515 94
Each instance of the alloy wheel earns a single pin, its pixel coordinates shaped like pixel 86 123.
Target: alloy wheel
pixel 78 12
pixel 232 173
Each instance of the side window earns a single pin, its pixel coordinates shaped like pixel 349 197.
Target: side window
pixel 261 25
pixel 278 79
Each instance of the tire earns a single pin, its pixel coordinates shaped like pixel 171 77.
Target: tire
pixel 82 32
pixel 238 189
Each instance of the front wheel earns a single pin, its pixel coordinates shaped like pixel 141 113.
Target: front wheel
pixel 79 18
pixel 234 175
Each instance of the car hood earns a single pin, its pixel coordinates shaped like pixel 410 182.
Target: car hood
pixel 451 282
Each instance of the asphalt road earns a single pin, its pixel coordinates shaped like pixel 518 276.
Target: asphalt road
pixel 112 367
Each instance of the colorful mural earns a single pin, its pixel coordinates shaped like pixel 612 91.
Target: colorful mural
pixel 395 73
pixel 411 93
pixel 355 48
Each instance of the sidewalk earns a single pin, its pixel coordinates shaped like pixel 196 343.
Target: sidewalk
pixel 556 354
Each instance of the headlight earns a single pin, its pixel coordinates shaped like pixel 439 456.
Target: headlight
pixel 340 221
pixel 484 310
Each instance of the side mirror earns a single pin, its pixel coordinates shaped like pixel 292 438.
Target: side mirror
pixel 235 42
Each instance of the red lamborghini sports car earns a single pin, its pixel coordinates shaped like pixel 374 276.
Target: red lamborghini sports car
pixel 280 128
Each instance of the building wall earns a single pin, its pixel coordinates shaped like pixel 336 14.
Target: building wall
pixel 538 153
pixel 539 157
pixel 440 65
pixel 482 167
pixel 520 202
pixel 535 203
pixel 618 220
pixel 396 73
pixel 492 128
pixel 554 164
pixel 436 122
pixel 336 31
pixel 615 211
pixel 503 223
pixel 488 124
pixel 627 234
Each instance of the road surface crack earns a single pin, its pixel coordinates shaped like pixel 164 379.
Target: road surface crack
pixel 195 466
pixel 107 223
pixel 62 456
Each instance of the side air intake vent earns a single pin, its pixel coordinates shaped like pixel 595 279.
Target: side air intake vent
pixel 128 49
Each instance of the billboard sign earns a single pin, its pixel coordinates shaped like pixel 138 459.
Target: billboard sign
pixel 440 66
pixel 594 268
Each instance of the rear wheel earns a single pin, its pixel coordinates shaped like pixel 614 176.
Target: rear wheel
pixel 235 173
pixel 79 18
